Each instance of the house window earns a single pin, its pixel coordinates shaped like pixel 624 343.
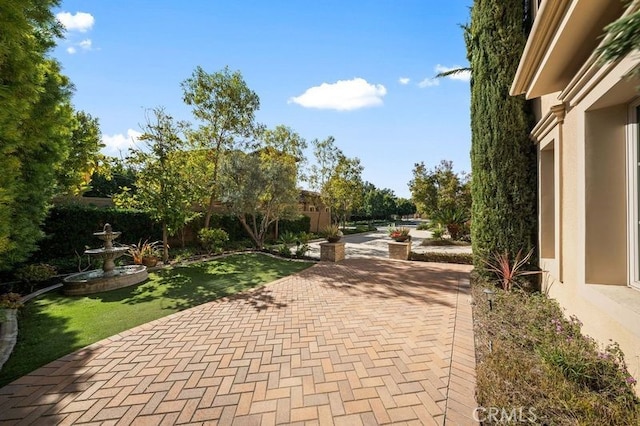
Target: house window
pixel 547 202
pixel 606 195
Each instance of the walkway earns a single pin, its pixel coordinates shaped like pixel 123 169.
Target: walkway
pixel 375 244
pixel 366 341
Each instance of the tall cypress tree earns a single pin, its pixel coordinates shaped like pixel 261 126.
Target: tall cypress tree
pixel 503 158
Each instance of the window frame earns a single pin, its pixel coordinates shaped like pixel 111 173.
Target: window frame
pixel 633 196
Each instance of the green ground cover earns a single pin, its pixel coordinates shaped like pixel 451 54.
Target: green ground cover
pixel 54 325
pixel 530 357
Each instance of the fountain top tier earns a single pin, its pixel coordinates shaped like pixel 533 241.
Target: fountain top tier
pixel 107 235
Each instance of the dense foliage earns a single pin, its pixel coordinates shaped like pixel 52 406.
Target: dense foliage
pixel 503 159
pixel 439 188
pixel 165 180
pixel 34 113
pixel 337 178
pixel 84 158
pixel 225 107
pixel 377 203
pixel 260 189
pixel 45 147
pixel 69 228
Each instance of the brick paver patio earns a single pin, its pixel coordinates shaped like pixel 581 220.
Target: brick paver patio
pixel 366 341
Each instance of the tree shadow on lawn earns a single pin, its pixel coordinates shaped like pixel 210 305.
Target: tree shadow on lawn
pixel 42 337
pixel 184 287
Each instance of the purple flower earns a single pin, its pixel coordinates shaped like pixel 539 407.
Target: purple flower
pixel 631 380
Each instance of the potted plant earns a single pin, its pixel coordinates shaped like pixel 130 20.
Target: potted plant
pixel 146 253
pixel 400 234
pixel 332 233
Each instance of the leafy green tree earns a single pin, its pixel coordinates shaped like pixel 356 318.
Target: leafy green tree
pixel 337 178
pixel 503 159
pixel 377 203
pixel 260 187
pixel 344 190
pixel 35 118
pixel 164 180
pixel 225 107
pixel 114 176
pixel 439 189
pixel 84 158
pixel 405 207
pixel 285 140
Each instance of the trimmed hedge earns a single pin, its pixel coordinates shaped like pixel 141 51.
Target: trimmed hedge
pixel 439 257
pixel 70 228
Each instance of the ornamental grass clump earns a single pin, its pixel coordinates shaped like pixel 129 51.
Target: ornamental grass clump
pixel 399 233
pixel 509 272
pixel 332 233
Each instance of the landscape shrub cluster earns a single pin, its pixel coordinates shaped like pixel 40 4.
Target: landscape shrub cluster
pixel 530 355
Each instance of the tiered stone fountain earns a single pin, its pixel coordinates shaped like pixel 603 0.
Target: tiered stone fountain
pixel 110 276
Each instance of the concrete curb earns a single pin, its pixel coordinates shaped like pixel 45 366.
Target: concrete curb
pixel 9 325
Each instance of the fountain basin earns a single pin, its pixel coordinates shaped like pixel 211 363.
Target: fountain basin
pixel 97 281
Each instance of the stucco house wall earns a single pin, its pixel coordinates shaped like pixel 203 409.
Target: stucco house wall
pixel 587 140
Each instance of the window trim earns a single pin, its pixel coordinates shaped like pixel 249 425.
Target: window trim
pixel 633 186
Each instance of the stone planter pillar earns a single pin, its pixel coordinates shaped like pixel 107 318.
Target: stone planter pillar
pixel 399 251
pixel 331 252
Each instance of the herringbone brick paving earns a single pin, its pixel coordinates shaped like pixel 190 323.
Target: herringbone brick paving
pixel 366 341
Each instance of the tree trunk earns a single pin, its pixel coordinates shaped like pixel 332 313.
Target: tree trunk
pixel 251 233
pixel 209 213
pixel 165 243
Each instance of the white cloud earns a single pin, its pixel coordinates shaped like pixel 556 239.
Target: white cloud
pixel 80 21
pixel 428 82
pixel 114 144
pixel 343 95
pixel 404 80
pixel 460 76
pixel 85 44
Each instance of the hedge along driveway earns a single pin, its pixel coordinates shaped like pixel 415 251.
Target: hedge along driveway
pixel 54 325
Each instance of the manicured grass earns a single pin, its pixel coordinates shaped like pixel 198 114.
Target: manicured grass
pixel 55 325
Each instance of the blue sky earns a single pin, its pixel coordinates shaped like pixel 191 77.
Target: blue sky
pixel 361 71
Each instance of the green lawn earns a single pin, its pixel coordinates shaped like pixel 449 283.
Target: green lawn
pixel 54 325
